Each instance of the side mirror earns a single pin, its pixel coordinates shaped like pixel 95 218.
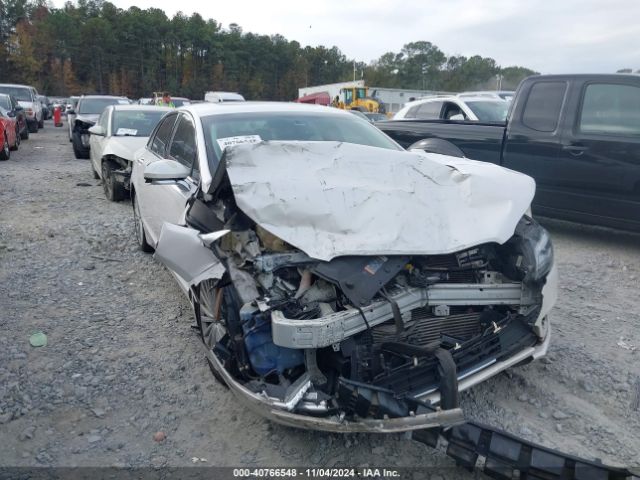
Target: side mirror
pixel 71 111
pixel 166 170
pixel 11 114
pixel 97 130
pixel 457 117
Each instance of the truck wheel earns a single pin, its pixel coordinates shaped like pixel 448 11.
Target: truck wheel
pixel 437 145
pixel 113 190
pixel 79 150
pixel 32 127
pixel 5 153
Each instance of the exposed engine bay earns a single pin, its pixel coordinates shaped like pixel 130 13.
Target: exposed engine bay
pixel 365 336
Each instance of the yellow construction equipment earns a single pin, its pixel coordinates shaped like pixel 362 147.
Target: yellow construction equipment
pixel 357 98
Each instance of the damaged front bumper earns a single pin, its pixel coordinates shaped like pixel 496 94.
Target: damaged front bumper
pixel 275 411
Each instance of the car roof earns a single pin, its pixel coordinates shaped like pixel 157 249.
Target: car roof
pixel 103 96
pixel 223 108
pixel 15 85
pixel 138 108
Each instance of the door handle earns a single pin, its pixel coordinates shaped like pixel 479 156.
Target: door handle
pixel 576 150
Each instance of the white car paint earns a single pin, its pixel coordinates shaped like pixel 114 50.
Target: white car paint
pixel 112 144
pixel 386 205
pixel 458 101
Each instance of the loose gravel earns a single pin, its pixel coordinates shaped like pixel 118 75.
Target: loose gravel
pixel 122 363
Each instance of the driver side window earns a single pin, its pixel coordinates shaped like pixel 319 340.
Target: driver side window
pixel 160 139
pixel 183 146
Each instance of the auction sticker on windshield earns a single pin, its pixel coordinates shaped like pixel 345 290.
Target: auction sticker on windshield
pixel 231 141
pixel 127 131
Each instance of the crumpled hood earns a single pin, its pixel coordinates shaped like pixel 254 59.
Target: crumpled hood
pixel 124 147
pixel 87 117
pixel 331 199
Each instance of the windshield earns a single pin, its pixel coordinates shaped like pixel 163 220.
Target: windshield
pixel 22 94
pixel 288 126
pixel 95 106
pixel 135 123
pixel 4 102
pixel 490 111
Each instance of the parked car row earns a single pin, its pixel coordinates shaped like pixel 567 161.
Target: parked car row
pixel 27 97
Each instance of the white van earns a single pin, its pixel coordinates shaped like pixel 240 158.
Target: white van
pixel 218 97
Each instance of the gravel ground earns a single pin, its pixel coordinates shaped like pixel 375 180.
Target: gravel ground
pixel 122 362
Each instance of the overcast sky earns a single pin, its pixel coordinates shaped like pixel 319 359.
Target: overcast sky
pixel 550 36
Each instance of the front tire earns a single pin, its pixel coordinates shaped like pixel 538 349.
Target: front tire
pixel 32 127
pixel 80 151
pixel 141 236
pixel 41 123
pixel 113 190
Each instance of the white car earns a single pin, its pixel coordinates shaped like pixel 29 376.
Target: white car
pixel 451 107
pixel 27 97
pixel 220 97
pixel 339 282
pixel 119 132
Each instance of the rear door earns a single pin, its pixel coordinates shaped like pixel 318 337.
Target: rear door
pixel 533 141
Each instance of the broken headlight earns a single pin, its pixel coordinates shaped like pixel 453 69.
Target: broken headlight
pixel 529 252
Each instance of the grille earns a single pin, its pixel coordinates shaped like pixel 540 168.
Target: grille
pixel 423 327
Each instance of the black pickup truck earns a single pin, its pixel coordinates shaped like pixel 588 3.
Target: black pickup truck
pixel 578 136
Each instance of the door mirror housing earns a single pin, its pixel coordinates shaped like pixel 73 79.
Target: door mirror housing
pixel 97 130
pixel 166 170
pixel 11 114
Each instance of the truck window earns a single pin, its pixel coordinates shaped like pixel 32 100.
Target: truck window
pixel 610 109
pixel 542 110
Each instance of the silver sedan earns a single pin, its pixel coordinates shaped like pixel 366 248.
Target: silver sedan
pixel 339 282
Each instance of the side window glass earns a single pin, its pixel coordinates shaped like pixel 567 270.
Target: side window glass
pixel 162 135
pixel 610 109
pixel 183 145
pixel 542 110
pixel 412 112
pixel 429 110
pixel 103 121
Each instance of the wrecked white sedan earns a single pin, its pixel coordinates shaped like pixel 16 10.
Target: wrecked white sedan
pixel 339 282
pixel 120 131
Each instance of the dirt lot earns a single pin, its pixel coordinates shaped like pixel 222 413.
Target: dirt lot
pixel 122 361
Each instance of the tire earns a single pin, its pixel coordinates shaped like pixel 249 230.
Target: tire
pixel 5 153
pixel 32 127
pixel 211 329
pixel 25 133
pixel 17 144
pixel 141 237
pixel 113 190
pixel 79 150
pixel 41 123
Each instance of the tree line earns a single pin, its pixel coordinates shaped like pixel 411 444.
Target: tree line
pixel 94 47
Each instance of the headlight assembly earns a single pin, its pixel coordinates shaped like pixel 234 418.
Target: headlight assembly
pixel 529 252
